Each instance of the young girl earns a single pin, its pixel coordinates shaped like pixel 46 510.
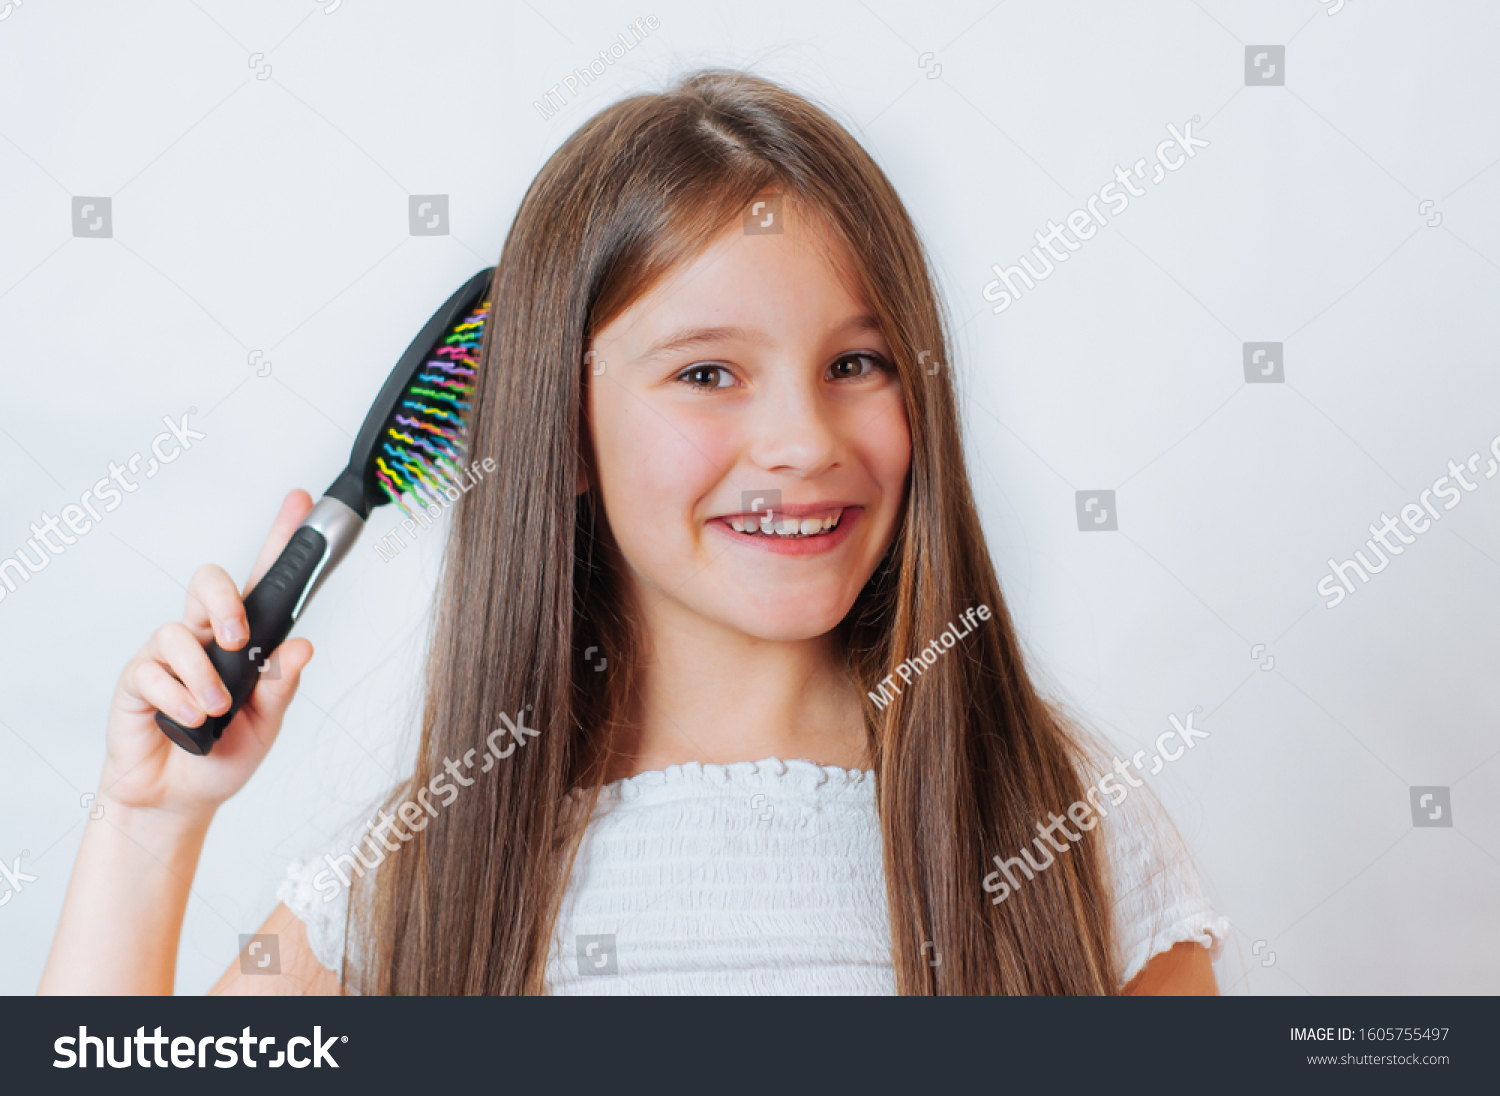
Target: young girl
pixel 730 524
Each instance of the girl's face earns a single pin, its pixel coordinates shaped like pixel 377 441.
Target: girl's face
pixel 750 380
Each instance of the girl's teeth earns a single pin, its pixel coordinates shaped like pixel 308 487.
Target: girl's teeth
pixel 786 527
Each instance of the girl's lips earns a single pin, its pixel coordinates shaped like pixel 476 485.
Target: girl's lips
pixel 793 546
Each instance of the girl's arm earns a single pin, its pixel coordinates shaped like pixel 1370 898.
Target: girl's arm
pixel 123 913
pixel 301 974
pixel 122 916
pixel 1182 971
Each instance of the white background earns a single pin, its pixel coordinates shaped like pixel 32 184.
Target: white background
pixel 271 214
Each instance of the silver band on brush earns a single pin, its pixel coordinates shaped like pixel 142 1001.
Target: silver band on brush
pixel 340 527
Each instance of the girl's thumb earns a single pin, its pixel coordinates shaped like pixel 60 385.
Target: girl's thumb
pixel 283 673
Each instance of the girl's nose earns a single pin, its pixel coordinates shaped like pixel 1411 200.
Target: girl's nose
pixel 794 431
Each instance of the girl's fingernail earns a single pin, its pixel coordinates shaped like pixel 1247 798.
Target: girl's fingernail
pixel 187 715
pixel 216 697
pixel 233 633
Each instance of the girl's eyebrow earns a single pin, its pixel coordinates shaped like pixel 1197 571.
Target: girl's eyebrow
pixel 702 336
pixel 698 336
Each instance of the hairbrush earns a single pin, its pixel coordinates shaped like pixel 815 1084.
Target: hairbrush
pixel 409 448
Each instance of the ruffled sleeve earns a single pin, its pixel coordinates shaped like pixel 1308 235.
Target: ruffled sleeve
pixel 316 892
pixel 1159 899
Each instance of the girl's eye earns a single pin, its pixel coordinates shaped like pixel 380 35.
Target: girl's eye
pixel 706 376
pixel 851 367
pixel 855 366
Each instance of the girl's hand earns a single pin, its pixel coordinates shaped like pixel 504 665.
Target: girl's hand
pixel 144 769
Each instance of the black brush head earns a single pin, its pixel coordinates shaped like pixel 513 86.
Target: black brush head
pixel 411 443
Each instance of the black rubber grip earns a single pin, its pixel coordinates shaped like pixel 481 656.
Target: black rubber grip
pixel 268 609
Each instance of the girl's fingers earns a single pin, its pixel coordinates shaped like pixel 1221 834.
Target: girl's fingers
pixel 214 609
pixel 181 652
pixel 149 681
pixel 272 695
pixel 294 508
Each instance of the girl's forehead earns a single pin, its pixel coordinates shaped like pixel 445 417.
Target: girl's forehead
pixel 799 276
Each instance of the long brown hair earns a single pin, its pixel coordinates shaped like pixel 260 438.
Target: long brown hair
pixel 966 761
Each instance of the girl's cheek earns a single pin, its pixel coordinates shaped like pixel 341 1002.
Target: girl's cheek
pixel 885 442
pixel 664 460
pixel 695 452
pixel 670 435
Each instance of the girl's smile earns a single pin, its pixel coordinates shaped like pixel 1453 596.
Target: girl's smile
pixel 786 533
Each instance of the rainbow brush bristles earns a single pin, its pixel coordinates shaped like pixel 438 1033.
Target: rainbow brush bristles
pixel 421 450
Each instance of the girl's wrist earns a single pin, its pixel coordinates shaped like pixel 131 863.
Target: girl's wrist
pixel 188 822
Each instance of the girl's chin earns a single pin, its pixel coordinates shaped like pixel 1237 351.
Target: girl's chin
pixel 787 616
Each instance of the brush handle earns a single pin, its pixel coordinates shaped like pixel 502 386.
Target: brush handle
pixel 271 608
pixel 268 611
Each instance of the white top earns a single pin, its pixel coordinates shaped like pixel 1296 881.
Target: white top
pixel 765 877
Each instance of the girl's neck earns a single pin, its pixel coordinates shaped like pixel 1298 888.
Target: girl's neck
pixel 711 693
